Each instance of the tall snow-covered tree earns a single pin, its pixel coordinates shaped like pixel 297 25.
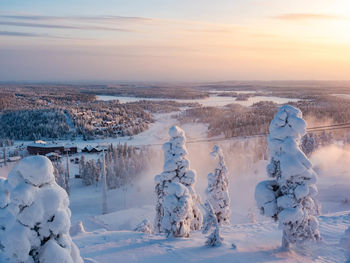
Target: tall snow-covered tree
pixel 290 196
pixel 217 189
pixel 176 170
pixel 39 229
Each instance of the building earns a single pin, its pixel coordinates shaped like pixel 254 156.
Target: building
pixel 90 149
pixel 43 148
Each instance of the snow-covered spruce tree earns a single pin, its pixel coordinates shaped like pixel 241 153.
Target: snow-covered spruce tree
pixel 59 174
pixel 176 170
pixel 308 144
pixel 217 189
pixel 177 210
pixel 290 196
pixel 211 221
pixel 39 231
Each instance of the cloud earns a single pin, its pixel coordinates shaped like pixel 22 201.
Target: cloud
pixel 307 16
pixel 18 34
pixel 78 18
pixel 57 26
pixel 25 34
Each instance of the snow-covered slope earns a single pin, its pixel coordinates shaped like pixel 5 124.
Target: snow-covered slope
pixel 259 242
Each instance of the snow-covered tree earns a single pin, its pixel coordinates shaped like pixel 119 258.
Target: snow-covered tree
pixel 39 229
pixel 309 144
pixel 290 196
pixel 60 175
pixel 176 170
pixel 177 210
pixel 217 189
pixel 211 221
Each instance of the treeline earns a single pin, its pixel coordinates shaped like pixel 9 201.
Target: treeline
pixel 237 120
pixel 166 91
pixel 124 163
pixel 233 120
pixel 33 124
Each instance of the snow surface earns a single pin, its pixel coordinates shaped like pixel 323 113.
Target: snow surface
pixel 259 242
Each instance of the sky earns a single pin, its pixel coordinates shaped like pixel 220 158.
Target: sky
pixel 174 40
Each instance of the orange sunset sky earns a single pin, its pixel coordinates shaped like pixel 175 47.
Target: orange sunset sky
pixel 182 40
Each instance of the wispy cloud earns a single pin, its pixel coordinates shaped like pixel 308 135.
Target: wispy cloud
pixel 30 34
pixel 58 26
pixel 307 16
pixel 19 34
pixel 78 18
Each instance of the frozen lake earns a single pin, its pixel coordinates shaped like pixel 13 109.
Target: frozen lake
pixel 214 101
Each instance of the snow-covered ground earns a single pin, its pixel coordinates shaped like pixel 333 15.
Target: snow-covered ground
pixel 258 242
pixel 110 237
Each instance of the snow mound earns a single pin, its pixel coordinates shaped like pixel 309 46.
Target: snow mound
pixel 77 229
pixel 36 170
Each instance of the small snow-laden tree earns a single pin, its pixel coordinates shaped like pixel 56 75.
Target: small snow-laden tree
pixel 211 221
pixel 59 174
pixel 39 231
pixel 177 207
pixel 217 189
pixel 290 196
pixel 176 169
pixel 309 144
